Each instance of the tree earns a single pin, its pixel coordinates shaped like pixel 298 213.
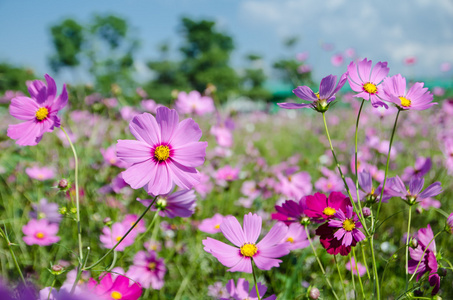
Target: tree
pixel 14 78
pixel 254 78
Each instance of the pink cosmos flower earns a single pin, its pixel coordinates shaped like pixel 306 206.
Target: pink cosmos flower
pixel 366 81
pixel 148 270
pixel 223 135
pixel 166 152
pixel 39 112
pixel 227 173
pixel 414 193
pixel 410 60
pixel 110 237
pixel 40 173
pixel 149 105
pixel 302 56
pixel 348 225
pixel 291 211
pixel 422 166
pixel 217 290
pixel 204 187
pixel 296 236
pixel 40 232
pixel 318 206
pixel 417 98
pixel 428 259
pixel 294 185
pixel 110 157
pixel 449 225
pixel 337 60
pixel 242 291
pixel 239 258
pixel 130 220
pixel 302 69
pixel 445 66
pixel 178 204
pixel 119 288
pixel 319 101
pixel 360 269
pixel 211 225
pixel 194 103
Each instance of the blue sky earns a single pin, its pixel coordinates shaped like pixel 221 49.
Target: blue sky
pixel 379 30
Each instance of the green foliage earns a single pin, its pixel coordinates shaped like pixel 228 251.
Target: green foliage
pixel 14 78
pixel 287 69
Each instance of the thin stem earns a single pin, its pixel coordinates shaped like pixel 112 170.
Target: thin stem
pixel 124 236
pixel 256 282
pixel 149 226
pixel 364 261
pixel 341 278
pixel 51 287
pixel 375 272
pixel 319 263
pixel 357 270
pixel 76 180
pixel 407 244
pixel 423 255
pixel 341 174
pixel 352 276
pixel 79 270
pixel 387 164
pixel 356 160
pixel 8 244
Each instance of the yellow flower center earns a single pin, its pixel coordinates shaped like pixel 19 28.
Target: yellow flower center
pixel 372 191
pixel 329 211
pixel 39 235
pixel 348 224
pixel 405 102
pixel 152 265
pixel 118 238
pixel 217 226
pixel 162 153
pixel 290 239
pixel 249 250
pixel 370 88
pixel 42 113
pixel 317 95
pixel 116 295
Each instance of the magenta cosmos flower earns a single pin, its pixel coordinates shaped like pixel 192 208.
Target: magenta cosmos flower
pixel 319 101
pixel 148 270
pixel 111 236
pixel 318 206
pixel 427 255
pixel 166 152
pixel 296 236
pixel 348 225
pixel 119 288
pixel 39 112
pixel 239 258
pixel 40 232
pixel 366 81
pixel 211 225
pixel 417 98
pixel 40 174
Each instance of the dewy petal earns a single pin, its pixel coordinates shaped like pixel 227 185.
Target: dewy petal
pixel 431 191
pixel 294 105
pixel 140 174
pixel 232 230
pixel 274 236
pixel 23 108
pixel 132 151
pixel 305 93
pixel 187 132
pixel 191 155
pixel 168 121
pixel 327 86
pixel 144 128
pixel 252 227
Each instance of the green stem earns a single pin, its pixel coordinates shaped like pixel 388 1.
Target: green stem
pixel 124 236
pixel 356 160
pixel 407 244
pixel 51 287
pixel 375 272
pixel 319 263
pixel 8 244
pixel 362 220
pixel 149 226
pixel 364 261
pixel 256 282
pixel 387 164
pixel 352 276
pixel 423 255
pixel 76 180
pixel 357 270
pixel 341 278
pixel 80 269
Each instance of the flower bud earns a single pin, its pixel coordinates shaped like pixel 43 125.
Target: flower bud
pixel 314 293
pixel 63 184
pixel 305 221
pixel 57 269
pixel 413 243
pixel 107 221
pixel 366 212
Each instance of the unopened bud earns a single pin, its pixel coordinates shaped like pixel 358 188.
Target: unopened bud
pixel 107 221
pixel 413 243
pixel 366 212
pixel 74 210
pixel 57 269
pixel 314 293
pixel 63 184
pixel 305 221
pixel 63 210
